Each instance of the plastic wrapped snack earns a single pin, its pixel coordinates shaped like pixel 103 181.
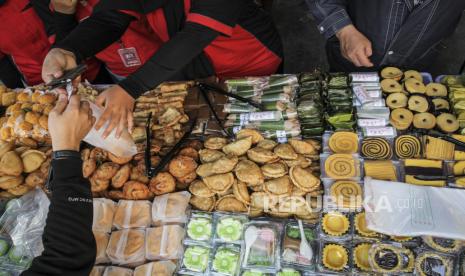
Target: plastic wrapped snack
pixel 200 227
pixel 101 239
pixel 170 208
pixel 226 260
pixel 261 245
pixel 195 260
pixel 127 247
pixel 164 242
pixel 97 271
pixel 291 245
pixel 229 228
pixel 132 214
pixel 162 268
pixel 104 209
pixel 117 271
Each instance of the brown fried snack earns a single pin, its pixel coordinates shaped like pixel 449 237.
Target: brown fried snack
pixel 88 167
pixel 34 179
pixel 118 160
pixel 136 191
pixel 163 183
pixel 8 182
pixel 230 203
pixel 190 152
pixel 209 155
pixel 121 177
pixel 19 190
pixel 106 171
pixel 200 189
pixel 32 160
pixel 98 185
pixel 115 194
pixel 98 154
pixel 138 173
pixel 195 144
pixel 11 164
pixel 187 179
pixel 181 166
pixel 203 203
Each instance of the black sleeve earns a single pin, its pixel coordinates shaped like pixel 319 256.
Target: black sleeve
pixel 69 244
pixel 169 59
pixel 95 33
pixel 9 74
pixel 64 24
pixel 330 15
pixel 42 9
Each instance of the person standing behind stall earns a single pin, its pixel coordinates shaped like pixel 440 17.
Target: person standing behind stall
pixel 200 38
pixel 138 40
pixel 370 34
pixel 26 36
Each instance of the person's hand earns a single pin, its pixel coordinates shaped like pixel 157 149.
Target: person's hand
pixel 56 62
pixel 355 46
pixel 65 6
pixel 118 106
pixel 69 122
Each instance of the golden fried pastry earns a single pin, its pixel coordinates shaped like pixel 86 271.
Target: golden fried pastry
pixel 32 117
pixel 8 182
pixel 203 203
pixel 138 173
pixel 248 172
pixel 220 182
pixel 278 186
pixel 190 152
pixel 47 98
pixel 414 86
pixel 223 165
pixel 413 74
pixel 274 170
pixel 11 164
pixel 117 159
pixel 98 185
pixel 32 160
pixel 44 168
pixel 38 108
pixel 5 147
pixel 6 195
pixel 163 183
pixel 304 179
pixel 436 90
pixel 267 144
pixel 238 147
pixel 195 144
pixel 136 191
pixel 230 203
pixel 8 98
pixel 98 154
pixel 215 143
pixel 246 132
pixel 303 147
pixel 35 96
pixel 285 151
pixel 88 167
pixel 121 177
pixel 391 86
pixel 260 200
pixel 47 109
pixel 200 189
pixel 391 73
pixel 155 160
pixel 116 194
pixel 34 179
pixel 106 171
pixel 241 192
pixel 301 161
pixel 25 126
pixel 182 165
pixel 26 106
pixel 209 155
pixel 261 155
pixel 19 190
pixel 27 142
pixel 186 180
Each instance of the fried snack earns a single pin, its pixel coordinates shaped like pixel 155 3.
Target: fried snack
pixel 34 179
pixel 200 189
pixel 248 172
pixel 413 74
pixel 418 103
pixel 342 166
pixel 164 242
pixel 5 147
pixel 187 179
pixel 127 247
pixel 98 154
pixel 206 204
pixel 209 155
pixel 376 148
pixel 447 123
pixel 182 165
pixel 163 183
pixel 335 224
pixel 238 147
pixel 32 118
pixel 190 152
pixel 278 186
pixel 88 167
pixel 121 176
pixel 347 194
pixel 303 147
pixel 301 161
pixel 343 142
pixel 118 160
pixel 424 120
pixel 407 146
pixel 11 164
pixel 47 98
pixel 9 182
pixel 19 190
pixel 220 182
pixel 32 160
pixel 136 191
pixel 397 100
pixel 401 118
pixel 98 185
pixel 335 257
pixel 274 170
pixel 246 132
pixel 106 171
pixel 116 194
pixel 414 86
pixel 27 142
pixel 304 179
pixel 436 90
pixel 230 203
pixel 285 151
pixel 438 149
pixel 215 143
pixel 262 156
pixel 241 192
pixel 267 144
pixel 101 239
pixel 132 214
pixel 8 98
pixel 391 73
pixel 43 122
pixel 138 173
pixel 223 165
pixel 381 170
pixel 415 167
pixel 391 86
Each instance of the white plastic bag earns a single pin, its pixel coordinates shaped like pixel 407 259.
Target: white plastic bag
pixel 163 268
pixel 127 247
pixel 400 209
pixel 97 271
pixel 117 271
pixel 170 208
pixel 133 214
pixel 104 210
pixel 101 239
pixel 164 242
pixel 123 146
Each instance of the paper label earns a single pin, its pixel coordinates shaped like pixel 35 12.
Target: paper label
pixel 281 134
pixel 282 140
pixel 371 122
pixel 379 131
pixel 244 119
pixel 375 103
pixel 262 116
pixel 365 77
pixel 129 57
pixel 236 129
pixel 361 94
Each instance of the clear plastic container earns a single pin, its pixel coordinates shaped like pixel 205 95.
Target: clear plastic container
pixel 200 227
pixel 195 260
pixel 162 268
pixel 170 208
pixel 290 251
pixel 225 260
pixel 117 271
pixel 164 242
pixel 334 257
pixel 229 227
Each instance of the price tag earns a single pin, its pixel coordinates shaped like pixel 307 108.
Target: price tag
pixel 361 94
pixel 129 57
pixel 374 93
pixel 236 129
pixel 281 134
pixel 379 131
pixel 372 122
pixel 365 77
pixel 244 119
pixel 376 103
pixel 282 140
pixel 262 116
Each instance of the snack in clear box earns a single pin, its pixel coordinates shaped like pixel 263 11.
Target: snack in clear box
pixel 229 228
pixel 96 271
pixel 343 142
pixel 170 208
pixel 261 245
pixel 291 245
pixel 117 271
pixel 342 166
pixel 104 210
pixel 101 239
pixel 132 214
pixel 199 227
pixel 226 260
pixel 335 224
pixel 360 254
pixel 387 258
pixel 289 272
pixel 164 242
pixel 161 268
pixel 195 259
pixel 127 247
pixel 432 263
pixel 252 272
pixel 334 257
pixel 361 228
pixel 347 194
pixel 444 245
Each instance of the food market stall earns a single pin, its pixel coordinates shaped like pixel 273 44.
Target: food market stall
pixel 255 176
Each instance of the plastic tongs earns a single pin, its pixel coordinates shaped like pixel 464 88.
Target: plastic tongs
pixel 66 80
pixel 205 88
pixel 151 172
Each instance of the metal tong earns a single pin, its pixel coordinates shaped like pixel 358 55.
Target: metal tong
pixel 67 77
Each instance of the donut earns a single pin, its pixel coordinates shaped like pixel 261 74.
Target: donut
pixel 412 74
pixel 418 103
pixel 447 123
pixel 391 73
pixel 414 86
pixel 436 90
pixel 424 120
pixel 396 100
pixel 401 118
pixel 390 86
pixel 440 104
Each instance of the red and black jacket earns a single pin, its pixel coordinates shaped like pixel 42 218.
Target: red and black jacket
pixel 201 38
